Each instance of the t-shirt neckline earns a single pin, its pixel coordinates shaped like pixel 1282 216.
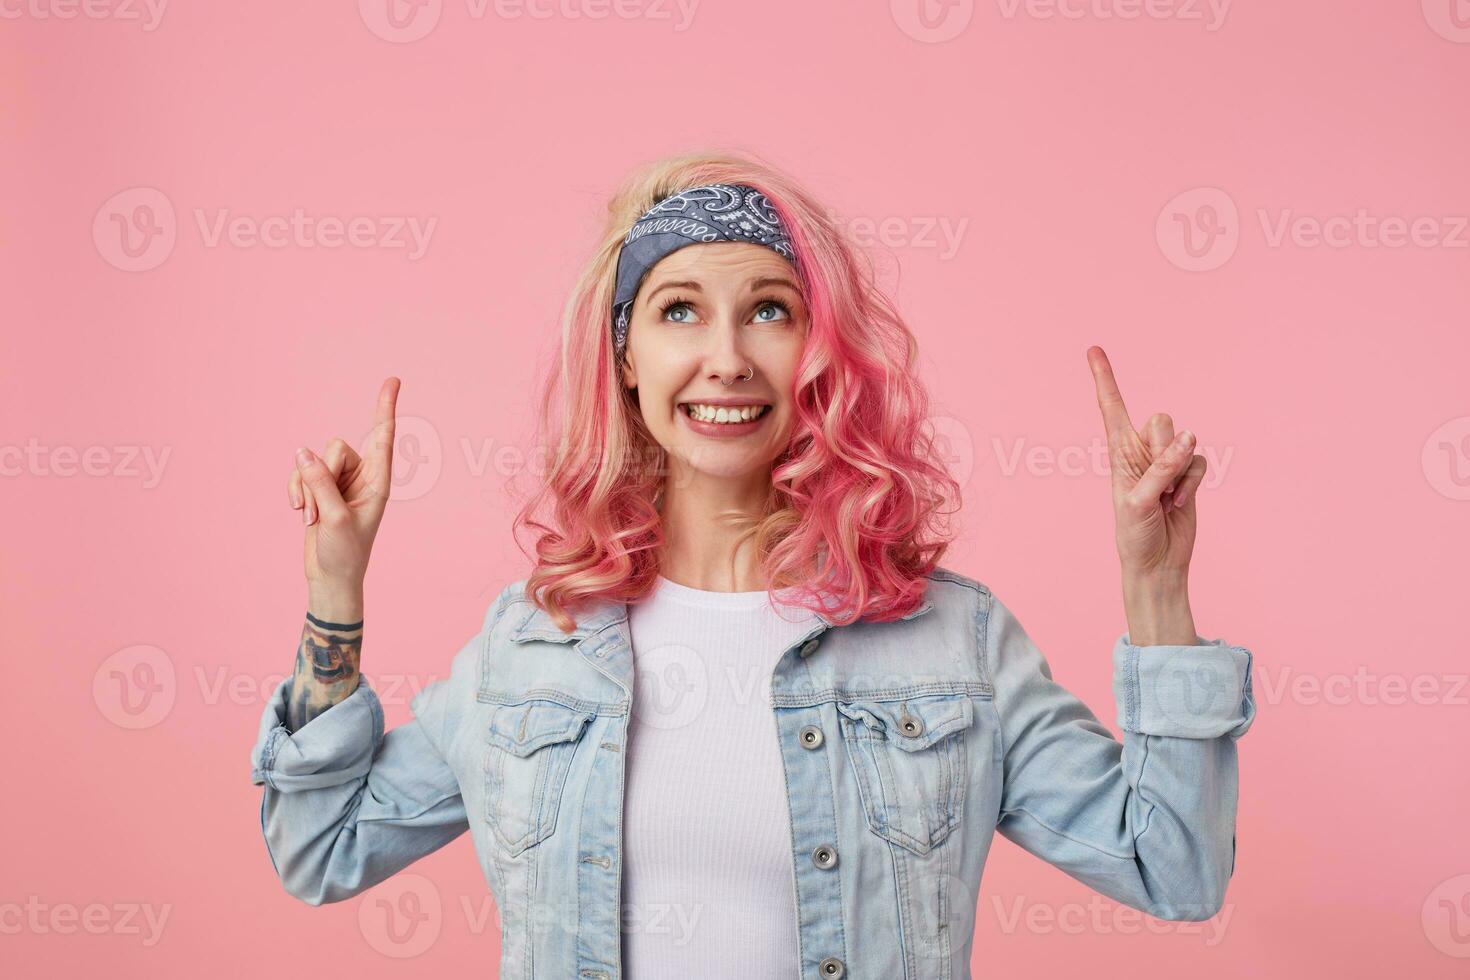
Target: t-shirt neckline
pixel 666 588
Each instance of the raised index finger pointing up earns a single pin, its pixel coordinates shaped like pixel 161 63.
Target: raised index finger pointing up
pixel 384 423
pixel 1109 398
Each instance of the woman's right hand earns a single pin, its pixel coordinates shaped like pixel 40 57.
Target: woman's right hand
pixel 342 496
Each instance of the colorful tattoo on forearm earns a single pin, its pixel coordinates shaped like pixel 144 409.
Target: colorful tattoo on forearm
pixel 326 669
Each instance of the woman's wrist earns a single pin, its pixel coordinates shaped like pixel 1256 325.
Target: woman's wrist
pixel 335 602
pixel 1157 608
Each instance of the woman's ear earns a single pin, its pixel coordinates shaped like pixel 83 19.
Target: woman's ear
pixel 630 373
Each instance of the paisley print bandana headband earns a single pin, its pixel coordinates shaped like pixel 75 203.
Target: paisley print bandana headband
pixel 710 213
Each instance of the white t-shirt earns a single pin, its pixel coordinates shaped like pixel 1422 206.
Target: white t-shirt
pixel 708 880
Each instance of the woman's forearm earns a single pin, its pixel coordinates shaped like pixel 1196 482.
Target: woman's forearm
pixel 328 655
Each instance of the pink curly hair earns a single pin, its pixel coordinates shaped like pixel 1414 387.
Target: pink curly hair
pixel 853 520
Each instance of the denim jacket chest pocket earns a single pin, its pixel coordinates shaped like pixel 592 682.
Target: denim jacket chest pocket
pixel 528 749
pixel 908 757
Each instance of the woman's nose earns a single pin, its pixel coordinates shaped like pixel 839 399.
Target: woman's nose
pixel 724 353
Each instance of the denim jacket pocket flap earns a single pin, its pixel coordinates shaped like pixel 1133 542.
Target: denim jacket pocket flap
pixel 521 729
pixel 913 724
pixel 908 759
pixel 529 752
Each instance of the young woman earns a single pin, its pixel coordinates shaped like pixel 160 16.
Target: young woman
pixel 827 727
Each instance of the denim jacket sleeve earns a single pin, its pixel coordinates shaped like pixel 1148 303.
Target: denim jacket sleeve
pixel 346 805
pixel 1150 821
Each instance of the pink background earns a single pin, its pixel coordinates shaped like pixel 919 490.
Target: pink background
pixel 1064 154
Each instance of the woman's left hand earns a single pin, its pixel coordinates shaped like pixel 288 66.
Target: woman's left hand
pixel 1155 477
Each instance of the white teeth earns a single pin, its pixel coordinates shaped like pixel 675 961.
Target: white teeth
pixel 716 413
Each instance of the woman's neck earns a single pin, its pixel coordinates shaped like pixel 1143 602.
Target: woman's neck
pixel 703 520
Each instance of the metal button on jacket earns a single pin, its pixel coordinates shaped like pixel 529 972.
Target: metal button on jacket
pixel 910 726
pixel 810 737
pixel 831 968
pixel 825 856
pixel 808 647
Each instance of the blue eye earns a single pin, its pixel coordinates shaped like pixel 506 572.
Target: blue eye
pixel 771 305
pixel 675 304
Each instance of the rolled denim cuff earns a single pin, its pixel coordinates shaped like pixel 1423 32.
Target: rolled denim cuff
pixel 1199 691
pixel 335 747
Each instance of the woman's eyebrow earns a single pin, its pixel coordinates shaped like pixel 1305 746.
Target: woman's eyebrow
pixel 773 281
pixel 683 284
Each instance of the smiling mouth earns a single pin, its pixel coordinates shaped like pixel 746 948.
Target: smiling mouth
pixel 723 414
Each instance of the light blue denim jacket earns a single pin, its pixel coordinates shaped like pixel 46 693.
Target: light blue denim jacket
pixel 905 745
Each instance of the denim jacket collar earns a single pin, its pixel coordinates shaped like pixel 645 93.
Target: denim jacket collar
pixel 603 640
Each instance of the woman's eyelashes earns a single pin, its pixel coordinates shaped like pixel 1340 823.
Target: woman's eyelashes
pixel 672 303
pixel 683 310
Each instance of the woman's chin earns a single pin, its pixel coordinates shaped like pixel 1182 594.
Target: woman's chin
pixel 703 461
